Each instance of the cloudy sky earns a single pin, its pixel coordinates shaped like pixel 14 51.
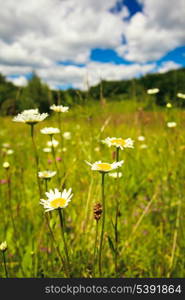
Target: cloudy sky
pixel 72 42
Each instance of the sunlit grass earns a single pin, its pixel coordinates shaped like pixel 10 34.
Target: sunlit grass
pixel 151 194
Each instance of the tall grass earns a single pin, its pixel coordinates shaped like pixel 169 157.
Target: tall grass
pixel 151 195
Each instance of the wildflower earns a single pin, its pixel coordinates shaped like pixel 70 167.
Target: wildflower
pixel 6 165
pixel 47 174
pixel 141 138
pixel 6 145
pixel 54 143
pixel 67 135
pixel 97 211
pixel 9 152
pixel 56 199
pixel 171 124
pixel 169 105
pixel 3 181
pixel 58 158
pixel 152 91
pixel 59 108
pixel 115 175
pixel 50 130
pixel 97 149
pixel 30 116
pixel 105 167
pixel 181 95
pixel 119 142
pixel 47 150
pixel 3 246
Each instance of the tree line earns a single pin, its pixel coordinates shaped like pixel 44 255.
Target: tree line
pixel 37 94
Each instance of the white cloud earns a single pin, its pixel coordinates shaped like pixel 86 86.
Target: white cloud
pixel 167 66
pixel 155 31
pixel 18 81
pixel 93 72
pixel 41 31
pixel 35 34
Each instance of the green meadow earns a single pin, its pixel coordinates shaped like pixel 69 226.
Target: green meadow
pixel 144 212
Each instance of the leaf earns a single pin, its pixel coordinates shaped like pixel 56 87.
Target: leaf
pixel 111 245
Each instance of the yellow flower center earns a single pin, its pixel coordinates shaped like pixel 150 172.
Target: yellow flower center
pixel 45 174
pixel 58 202
pixel 119 142
pixel 104 167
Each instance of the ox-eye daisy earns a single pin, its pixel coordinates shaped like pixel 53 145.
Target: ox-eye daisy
pixel 141 138
pixel 59 108
pixel 50 130
pixel 153 91
pixel 47 174
pixel 56 199
pixel 47 150
pixel 169 105
pixel 30 116
pixel 171 124
pixel 54 143
pixel 3 246
pixel 115 175
pixel 181 95
pixel 105 167
pixel 119 142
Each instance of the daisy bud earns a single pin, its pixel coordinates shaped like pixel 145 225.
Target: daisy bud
pixel 3 246
pixel 97 211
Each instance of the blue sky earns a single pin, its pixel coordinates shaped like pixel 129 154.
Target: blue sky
pixel 108 55
pixel 77 41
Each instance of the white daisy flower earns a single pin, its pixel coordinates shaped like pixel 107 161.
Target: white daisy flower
pixel 67 135
pixel 50 130
pixel 105 167
pixel 9 151
pixel 59 108
pixel 30 116
pixel 181 95
pixel 6 165
pixel 47 150
pixel 141 138
pixel 46 174
pixel 53 143
pixel 152 91
pixel 119 142
pixel 171 124
pixel 115 174
pixel 3 246
pixel 169 105
pixel 56 199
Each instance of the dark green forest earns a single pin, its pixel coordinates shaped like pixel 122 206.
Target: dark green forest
pixel 38 94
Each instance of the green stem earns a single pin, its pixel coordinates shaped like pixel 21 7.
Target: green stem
pixel 60 127
pixel 54 157
pixel 103 224
pixel 116 220
pixel 64 240
pixel 46 184
pixel 95 249
pixel 36 158
pixel 62 145
pixel 5 268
